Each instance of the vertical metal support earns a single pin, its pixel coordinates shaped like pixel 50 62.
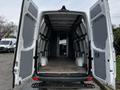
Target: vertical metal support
pixel 67 45
pixel 58 46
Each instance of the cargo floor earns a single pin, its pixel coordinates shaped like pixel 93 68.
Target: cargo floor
pixel 61 65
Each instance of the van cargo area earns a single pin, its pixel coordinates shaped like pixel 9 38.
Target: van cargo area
pixel 62 46
pixel 62 65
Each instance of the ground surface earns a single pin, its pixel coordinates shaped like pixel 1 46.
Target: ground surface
pixel 6 61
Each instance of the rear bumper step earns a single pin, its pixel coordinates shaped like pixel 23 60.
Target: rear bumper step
pixel 62 85
pixel 63 79
pixel 62 74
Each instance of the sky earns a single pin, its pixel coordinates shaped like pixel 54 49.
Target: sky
pixel 10 9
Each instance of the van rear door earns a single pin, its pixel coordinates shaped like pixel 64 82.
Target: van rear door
pixel 23 63
pixel 104 66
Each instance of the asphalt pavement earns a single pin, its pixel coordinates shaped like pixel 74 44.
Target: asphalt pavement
pixel 6 62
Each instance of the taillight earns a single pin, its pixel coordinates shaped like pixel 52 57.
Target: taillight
pixel 35 78
pixel 89 78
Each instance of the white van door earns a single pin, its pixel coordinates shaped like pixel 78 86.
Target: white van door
pixel 103 53
pixel 25 49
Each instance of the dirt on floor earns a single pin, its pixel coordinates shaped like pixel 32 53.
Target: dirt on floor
pixel 62 65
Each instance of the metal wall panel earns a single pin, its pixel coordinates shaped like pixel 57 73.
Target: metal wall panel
pixel 33 10
pixel 28 31
pixel 100 32
pixel 95 11
pixel 100 64
pixel 26 63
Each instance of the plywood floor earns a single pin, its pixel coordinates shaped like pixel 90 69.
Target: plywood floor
pixel 61 65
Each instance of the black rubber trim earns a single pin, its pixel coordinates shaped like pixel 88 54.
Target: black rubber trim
pixel 62 85
pixel 90 59
pixel 43 37
pixel 62 75
pixel 20 22
pixel 63 79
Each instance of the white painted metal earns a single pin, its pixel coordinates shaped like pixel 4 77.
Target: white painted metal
pixel 109 50
pixel 18 80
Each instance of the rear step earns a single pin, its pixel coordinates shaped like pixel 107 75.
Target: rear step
pixel 62 85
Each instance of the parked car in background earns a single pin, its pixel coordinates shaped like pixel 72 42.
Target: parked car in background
pixel 7 44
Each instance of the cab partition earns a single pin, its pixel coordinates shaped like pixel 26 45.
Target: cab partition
pixel 62 43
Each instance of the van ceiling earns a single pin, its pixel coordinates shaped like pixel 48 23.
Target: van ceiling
pixel 63 21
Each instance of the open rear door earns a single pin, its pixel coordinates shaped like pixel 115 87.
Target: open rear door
pixel 25 50
pixel 104 66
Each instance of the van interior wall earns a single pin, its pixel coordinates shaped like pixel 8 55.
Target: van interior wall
pixel 77 44
pixel 52 45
